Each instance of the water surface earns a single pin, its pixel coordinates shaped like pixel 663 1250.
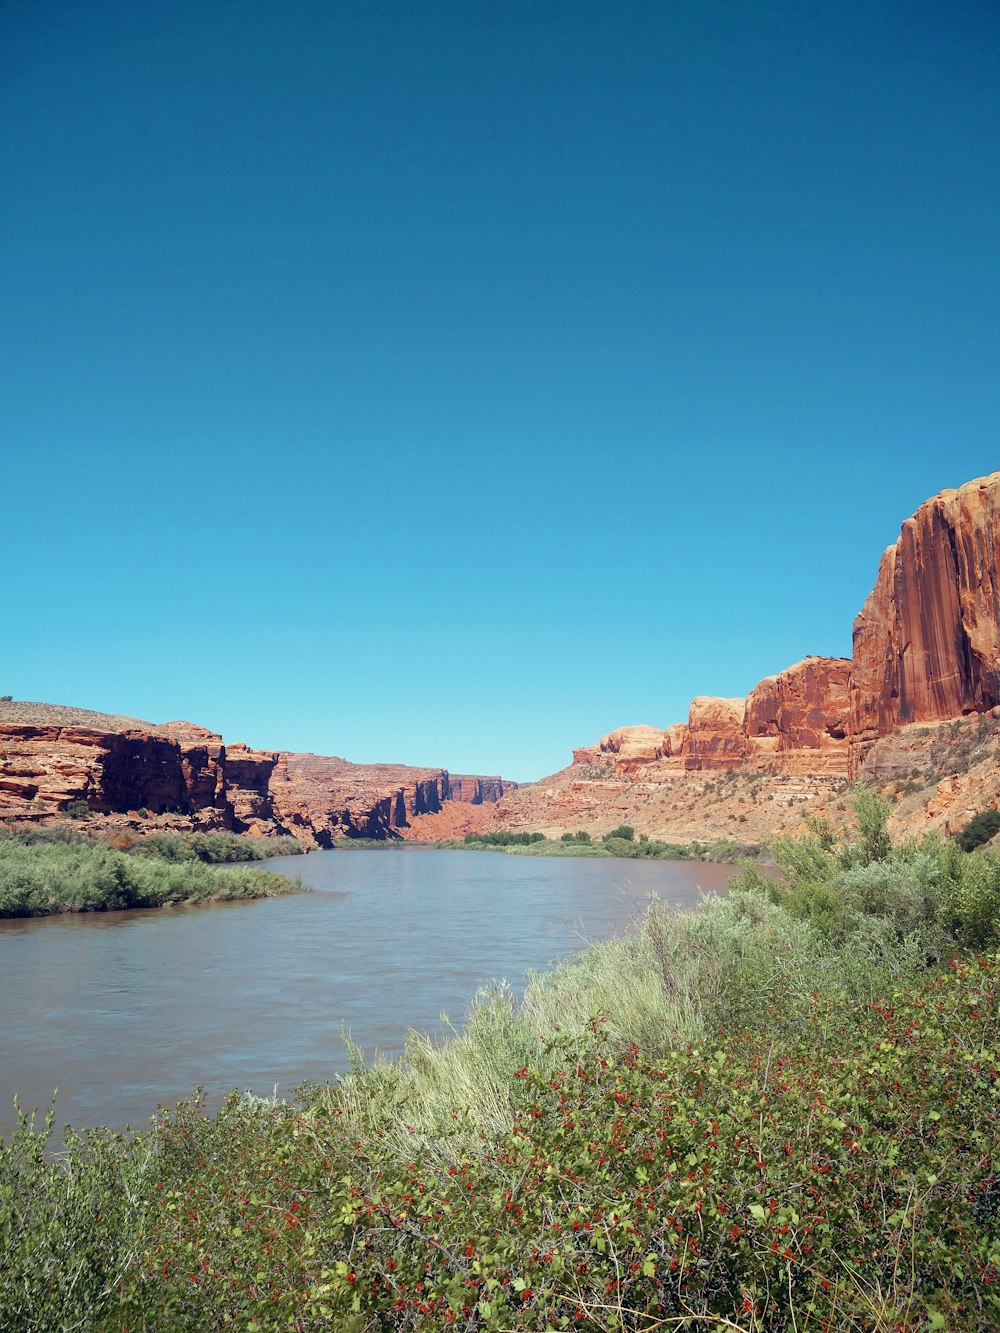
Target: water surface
pixel 123 1011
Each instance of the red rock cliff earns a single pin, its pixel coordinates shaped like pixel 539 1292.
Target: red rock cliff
pixel 51 756
pixel 797 721
pixel 715 738
pixel 477 790
pixel 927 641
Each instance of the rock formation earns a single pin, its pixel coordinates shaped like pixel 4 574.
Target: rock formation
pixel 798 720
pixel 794 722
pixel 927 640
pixel 179 775
pixel 926 649
pixel 473 790
pixel 715 734
pixel 53 757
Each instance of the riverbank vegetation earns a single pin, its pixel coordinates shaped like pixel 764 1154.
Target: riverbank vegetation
pixel 620 842
pixel 46 870
pixel 777 1113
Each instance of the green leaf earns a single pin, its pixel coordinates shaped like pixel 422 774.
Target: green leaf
pixel 758 1212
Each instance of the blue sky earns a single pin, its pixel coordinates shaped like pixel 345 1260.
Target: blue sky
pixel 449 383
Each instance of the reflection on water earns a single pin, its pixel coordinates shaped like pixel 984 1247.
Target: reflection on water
pixel 124 1010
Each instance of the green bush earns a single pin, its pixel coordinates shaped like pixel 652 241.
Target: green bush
pixel 503 838
pixel 623 831
pixel 980 828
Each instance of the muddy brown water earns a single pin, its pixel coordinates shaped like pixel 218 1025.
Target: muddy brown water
pixel 124 1011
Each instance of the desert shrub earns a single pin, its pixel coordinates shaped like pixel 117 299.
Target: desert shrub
pixel 623 831
pixel 980 828
pixel 69 1223
pixel 504 838
pixel 904 891
pixel 215 848
pixel 872 814
pixel 970 903
pixel 567 837
pixel 621 846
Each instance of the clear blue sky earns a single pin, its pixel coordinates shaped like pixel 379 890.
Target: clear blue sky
pixel 449 383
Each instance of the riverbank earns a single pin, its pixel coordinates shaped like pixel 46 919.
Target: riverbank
pixel 774 1113
pixel 620 843
pixel 52 869
pixel 721 851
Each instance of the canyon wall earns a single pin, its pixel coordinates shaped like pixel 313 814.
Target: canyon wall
pixel 926 648
pixel 927 640
pixel 794 722
pixel 178 775
pixel 51 758
pixel 798 720
pixel 322 798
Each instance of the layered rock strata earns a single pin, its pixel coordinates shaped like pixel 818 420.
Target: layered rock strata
pixel 927 640
pixel 798 720
pixel 123 770
pixel 794 722
pixel 52 758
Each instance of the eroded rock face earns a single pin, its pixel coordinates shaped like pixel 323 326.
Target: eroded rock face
pixel 715 737
pixel 798 720
pixel 473 790
pixel 120 766
pixel 927 641
pixel 794 722
pixel 180 775
pixel 322 798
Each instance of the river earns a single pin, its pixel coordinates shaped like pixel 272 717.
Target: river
pixel 123 1011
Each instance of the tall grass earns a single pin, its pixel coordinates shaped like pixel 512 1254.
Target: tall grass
pixel 40 878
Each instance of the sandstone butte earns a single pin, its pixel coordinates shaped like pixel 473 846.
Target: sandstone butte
pixel 176 775
pixel 925 652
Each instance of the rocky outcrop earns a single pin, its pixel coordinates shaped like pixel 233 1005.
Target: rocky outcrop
pixel 629 751
pixel 715 738
pixel 52 758
pixel 794 722
pixel 798 720
pixel 180 775
pixel 473 790
pixel 927 641
pixel 926 650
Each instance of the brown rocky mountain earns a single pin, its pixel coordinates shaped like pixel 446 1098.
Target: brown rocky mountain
pixel 926 650
pixel 179 775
